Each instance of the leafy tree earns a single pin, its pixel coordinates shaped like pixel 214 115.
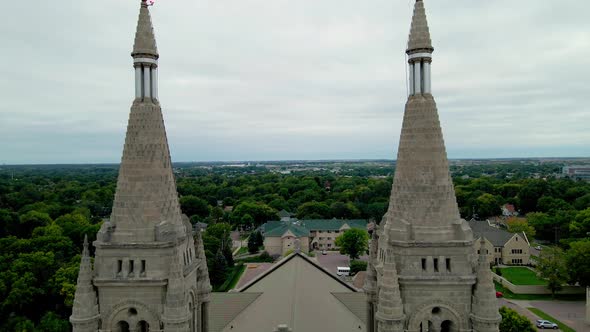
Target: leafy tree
pixel 342 210
pixel 357 266
pixel 218 269
pixel 194 206
pixel 512 321
pixel 488 205
pixel 517 225
pixel 578 262
pixel 252 244
pixel 31 220
pixel 583 202
pixel 551 205
pixel 259 211
pixel 259 239
pixel 552 267
pixel 51 322
pixel 530 193
pixel 542 224
pixel 313 210
pixel 247 220
pixel 216 214
pixel 580 227
pixel 353 242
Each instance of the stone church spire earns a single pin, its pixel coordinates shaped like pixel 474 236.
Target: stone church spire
pixel 390 314
pixel 425 266
pixel 85 317
pixel 422 206
pixel 146 269
pixel 370 286
pixel 484 313
pixel 176 315
pixel 146 196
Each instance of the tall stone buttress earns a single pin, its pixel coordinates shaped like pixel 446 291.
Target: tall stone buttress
pixel 428 276
pixel 147 274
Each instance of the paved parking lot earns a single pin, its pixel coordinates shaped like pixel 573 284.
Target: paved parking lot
pixel 333 259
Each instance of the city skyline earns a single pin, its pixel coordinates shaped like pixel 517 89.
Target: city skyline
pixel 257 80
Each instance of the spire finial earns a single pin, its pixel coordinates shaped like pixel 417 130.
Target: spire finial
pixel 419 39
pixel 85 252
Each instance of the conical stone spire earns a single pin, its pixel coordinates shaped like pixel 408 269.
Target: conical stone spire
pixel 146 201
pixel 85 310
pixel 370 286
pixel 419 33
pixel 145 41
pixel 390 315
pixel 485 314
pixel 423 206
pixel 176 316
pixel 203 282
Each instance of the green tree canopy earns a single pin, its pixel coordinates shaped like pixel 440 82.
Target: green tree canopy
pixel 353 242
pixel 512 321
pixel 194 206
pixel 313 210
pixel 578 262
pixel 552 267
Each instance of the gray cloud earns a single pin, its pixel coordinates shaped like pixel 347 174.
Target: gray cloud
pixel 261 79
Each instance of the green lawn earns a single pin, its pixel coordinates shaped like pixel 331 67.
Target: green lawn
pixel 242 251
pixel 546 316
pixel 232 279
pixel 522 276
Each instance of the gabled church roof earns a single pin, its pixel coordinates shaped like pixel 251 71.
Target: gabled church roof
pixel 285 261
pixel 297 292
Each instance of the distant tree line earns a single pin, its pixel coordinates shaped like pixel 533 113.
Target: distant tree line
pixel 46 211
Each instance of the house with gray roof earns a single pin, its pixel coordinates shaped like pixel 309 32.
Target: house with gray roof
pixel 502 247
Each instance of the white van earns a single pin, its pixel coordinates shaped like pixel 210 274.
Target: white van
pixel 343 271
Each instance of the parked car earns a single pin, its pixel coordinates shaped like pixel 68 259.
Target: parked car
pixel 324 252
pixel 499 294
pixel 545 324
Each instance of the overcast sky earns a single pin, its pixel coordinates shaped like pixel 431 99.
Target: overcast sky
pixel 294 79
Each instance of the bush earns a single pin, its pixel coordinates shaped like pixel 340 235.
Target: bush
pixel 512 321
pixel 499 271
pixel 262 258
pixel 357 266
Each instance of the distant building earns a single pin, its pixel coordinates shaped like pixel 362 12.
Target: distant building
pixel 323 232
pixel 280 236
pixel 285 215
pixel 577 172
pixel 502 247
pixel 508 210
pixel 297 293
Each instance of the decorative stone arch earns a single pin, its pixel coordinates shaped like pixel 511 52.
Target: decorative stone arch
pixel 131 312
pixel 446 312
pixel 191 300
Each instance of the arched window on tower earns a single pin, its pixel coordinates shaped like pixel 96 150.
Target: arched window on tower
pixel 122 326
pixel 143 326
pixel 446 326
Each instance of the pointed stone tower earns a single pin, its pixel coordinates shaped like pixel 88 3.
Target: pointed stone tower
pixel 146 269
pixel 426 263
pixel 485 315
pixel 85 317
